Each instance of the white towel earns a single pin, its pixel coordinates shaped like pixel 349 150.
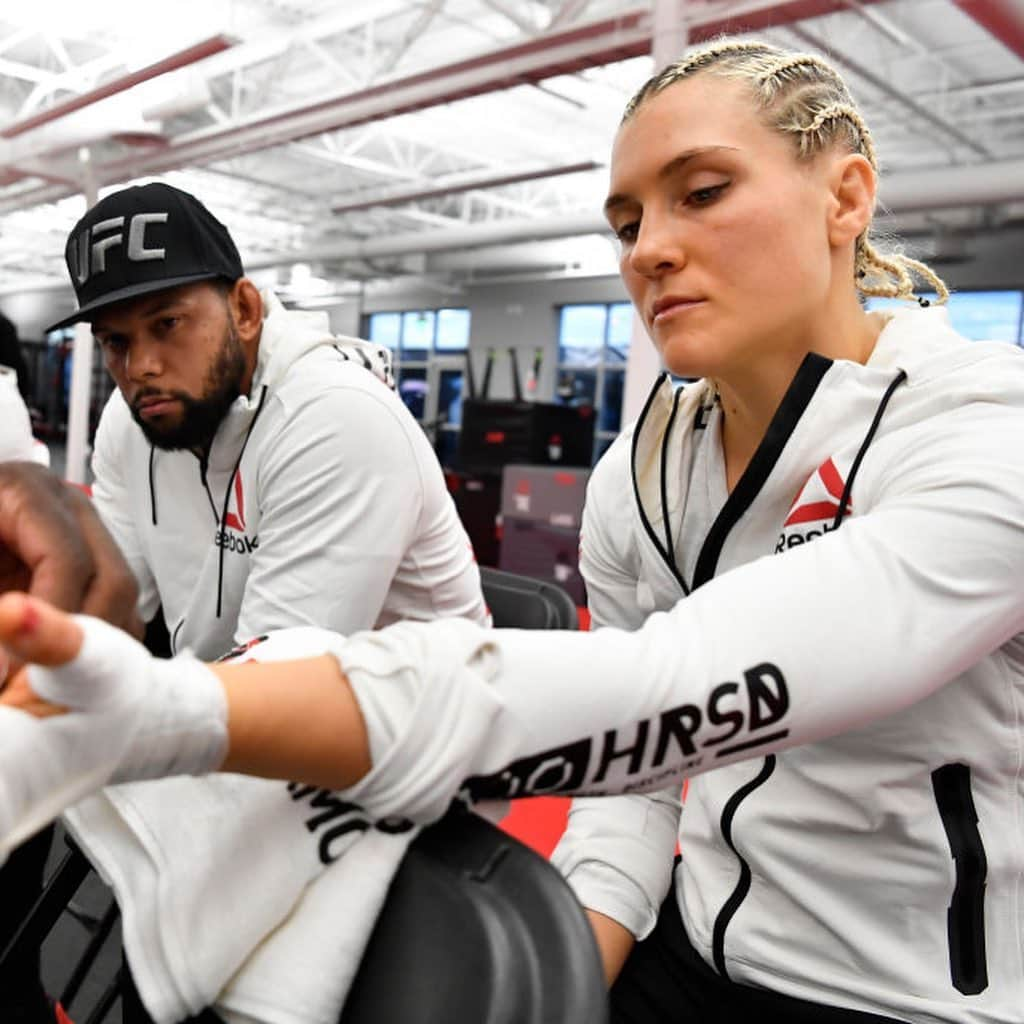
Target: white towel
pixel 256 898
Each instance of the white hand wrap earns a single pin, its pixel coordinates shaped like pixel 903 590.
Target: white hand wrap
pixel 132 717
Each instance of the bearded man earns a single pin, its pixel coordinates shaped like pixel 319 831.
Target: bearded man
pixel 255 471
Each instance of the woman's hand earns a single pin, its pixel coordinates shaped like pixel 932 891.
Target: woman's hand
pixel 100 710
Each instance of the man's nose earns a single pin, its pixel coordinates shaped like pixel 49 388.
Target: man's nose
pixel 142 359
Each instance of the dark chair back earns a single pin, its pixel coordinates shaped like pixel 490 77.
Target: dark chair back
pixel 521 602
pixel 478 928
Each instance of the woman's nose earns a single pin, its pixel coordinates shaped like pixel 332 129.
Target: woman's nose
pixel 658 247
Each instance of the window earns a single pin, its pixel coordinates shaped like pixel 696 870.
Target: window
pixel 593 345
pixel 452 334
pixel 988 316
pixel 414 334
pixel 428 349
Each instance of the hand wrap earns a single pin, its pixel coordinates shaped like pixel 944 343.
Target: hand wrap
pixel 131 717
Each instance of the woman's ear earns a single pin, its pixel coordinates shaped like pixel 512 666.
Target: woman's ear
pixel 247 309
pixel 853 183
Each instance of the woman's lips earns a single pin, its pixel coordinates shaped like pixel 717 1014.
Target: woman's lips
pixel 673 307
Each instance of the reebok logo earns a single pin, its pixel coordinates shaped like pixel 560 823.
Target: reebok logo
pixel 814 510
pixel 234 520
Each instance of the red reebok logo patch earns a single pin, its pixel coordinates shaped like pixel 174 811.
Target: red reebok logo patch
pixel 819 498
pixel 235 519
pixel 814 510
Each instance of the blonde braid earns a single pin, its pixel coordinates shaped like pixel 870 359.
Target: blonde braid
pixel 872 266
pixel 781 74
pixel 684 68
pixel 804 97
pixel 814 140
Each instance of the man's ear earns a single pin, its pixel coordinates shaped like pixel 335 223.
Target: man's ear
pixel 853 183
pixel 247 309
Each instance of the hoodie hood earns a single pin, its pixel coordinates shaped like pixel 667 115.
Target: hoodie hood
pixel 287 336
pixel 290 334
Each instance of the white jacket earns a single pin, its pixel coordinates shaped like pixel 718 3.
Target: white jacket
pixel 845 692
pixel 321 502
pixel 16 440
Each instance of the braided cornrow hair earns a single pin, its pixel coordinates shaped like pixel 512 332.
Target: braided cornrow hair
pixel 803 97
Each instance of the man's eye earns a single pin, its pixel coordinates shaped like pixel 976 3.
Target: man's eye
pixel 168 323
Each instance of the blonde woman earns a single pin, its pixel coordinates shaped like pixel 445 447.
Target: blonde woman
pixel 808 566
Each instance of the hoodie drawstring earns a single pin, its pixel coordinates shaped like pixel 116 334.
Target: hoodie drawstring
pixel 227 499
pixel 152 486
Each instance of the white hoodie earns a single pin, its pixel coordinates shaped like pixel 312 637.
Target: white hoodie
pixel 16 440
pixel 321 502
pixel 844 685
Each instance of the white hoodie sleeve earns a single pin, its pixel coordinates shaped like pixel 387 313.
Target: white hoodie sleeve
pixel 790 649
pixel 115 505
pixel 616 852
pixel 341 494
pixel 16 441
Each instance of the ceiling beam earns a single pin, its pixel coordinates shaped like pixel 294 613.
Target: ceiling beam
pixel 766 16
pixel 919 112
pixel 183 58
pixel 24 72
pixel 943 189
pixel 451 184
pixel 1004 19
pixel 526 62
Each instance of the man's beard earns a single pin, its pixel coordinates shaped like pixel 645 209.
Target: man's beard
pixel 200 416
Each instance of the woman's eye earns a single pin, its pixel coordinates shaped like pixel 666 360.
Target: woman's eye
pixel 703 196
pixel 627 232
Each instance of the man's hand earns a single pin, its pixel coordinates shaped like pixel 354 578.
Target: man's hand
pixel 53 545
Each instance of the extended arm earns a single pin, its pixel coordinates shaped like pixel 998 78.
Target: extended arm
pixel 789 649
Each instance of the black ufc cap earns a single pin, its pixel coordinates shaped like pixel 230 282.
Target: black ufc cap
pixel 144 239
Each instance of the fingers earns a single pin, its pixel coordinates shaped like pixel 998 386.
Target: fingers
pixel 53 545
pixel 60 580
pixel 32 630
pixel 41 545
